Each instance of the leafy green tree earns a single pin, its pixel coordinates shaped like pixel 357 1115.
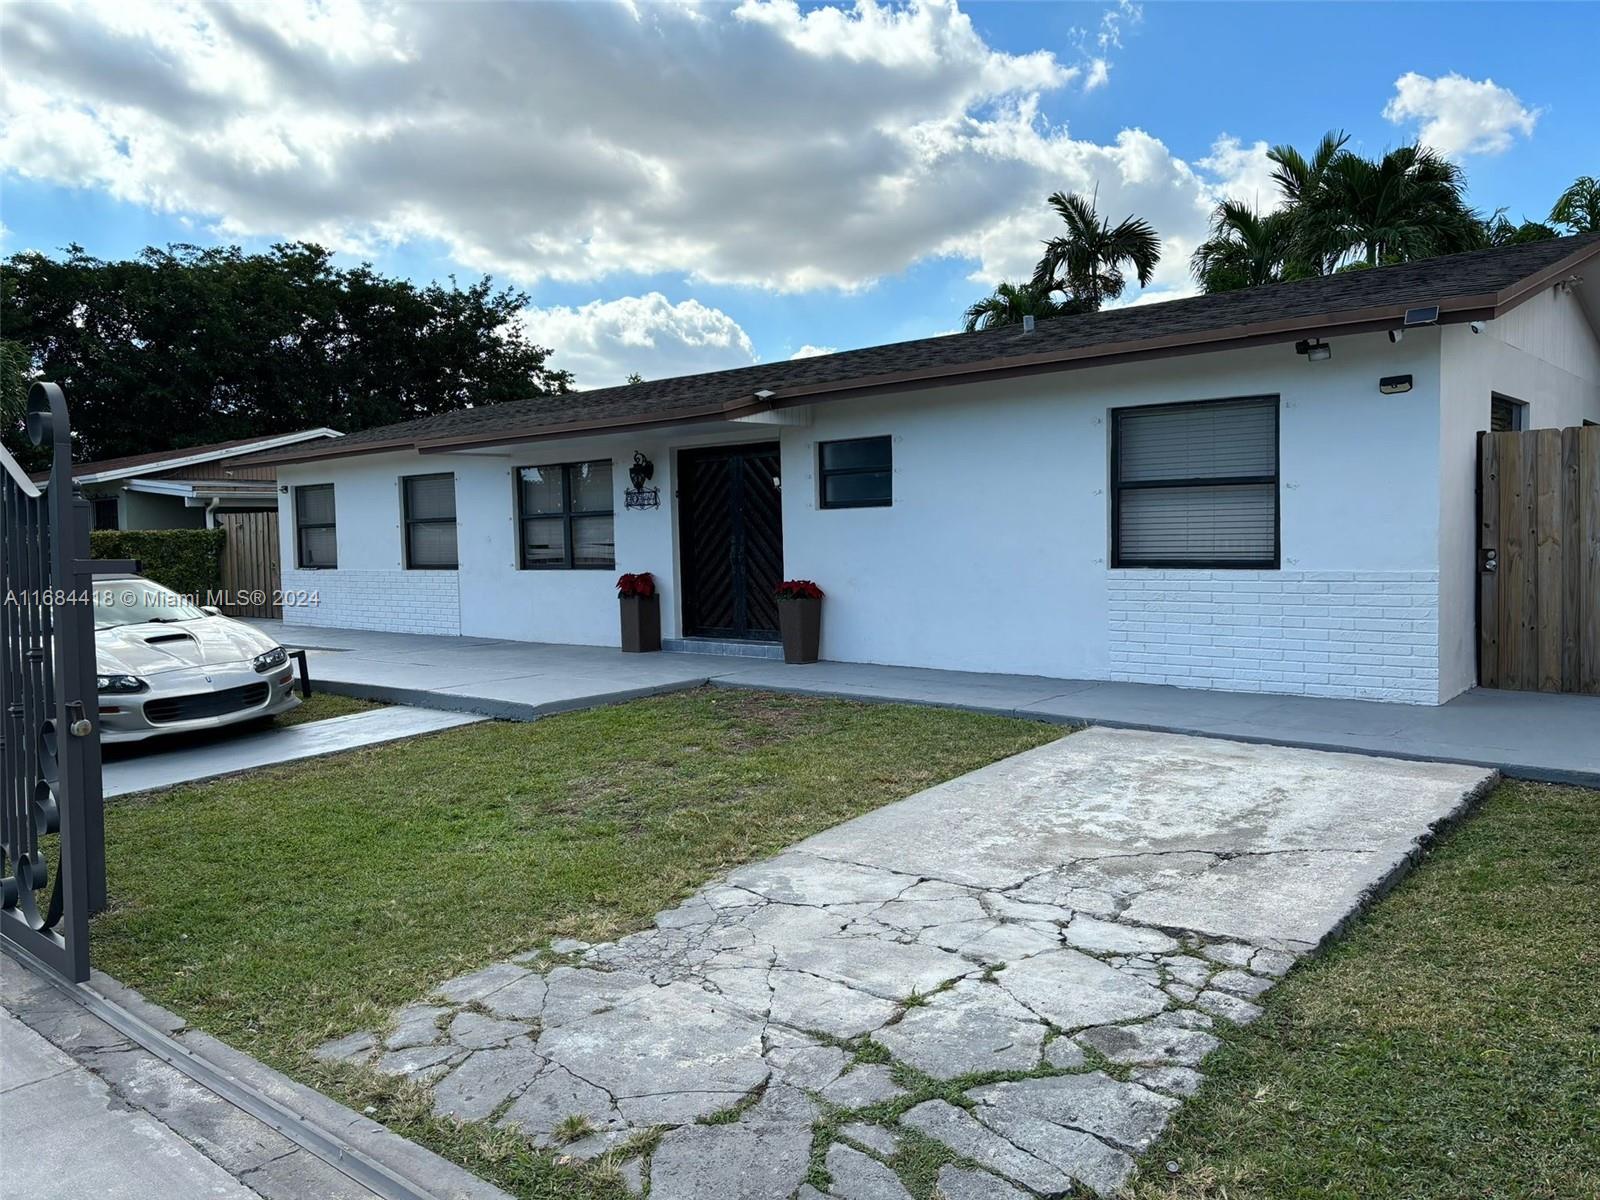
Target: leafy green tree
pixel 15 376
pixel 1086 263
pixel 1008 305
pixel 1578 208
pixel 186 345
pixel 1499 230
pixel 635 377
pixel 1246 248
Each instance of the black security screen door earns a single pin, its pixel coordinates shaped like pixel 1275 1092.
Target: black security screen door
pixel 731 529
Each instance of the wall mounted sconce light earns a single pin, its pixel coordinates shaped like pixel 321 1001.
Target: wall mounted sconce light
pixel 641 473
pixel 1315 349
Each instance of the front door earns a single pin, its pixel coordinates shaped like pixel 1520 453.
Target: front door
pixel 730 528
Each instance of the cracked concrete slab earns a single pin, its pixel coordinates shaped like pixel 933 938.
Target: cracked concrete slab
pixel 1113 890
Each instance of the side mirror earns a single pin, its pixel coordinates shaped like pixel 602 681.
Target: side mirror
pixel 211 610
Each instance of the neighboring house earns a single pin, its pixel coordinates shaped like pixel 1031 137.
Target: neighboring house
pixel 1270 490
pixel 185 488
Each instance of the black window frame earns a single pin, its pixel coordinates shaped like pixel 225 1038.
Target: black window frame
pixel 1517 409
pixel 407 521
pixel 301 525
pixel 566 516
pixel 96 508
pixel 825 473
pixel 1199 564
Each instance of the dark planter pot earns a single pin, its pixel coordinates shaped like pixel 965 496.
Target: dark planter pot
pixel 641 623
pixel 801 622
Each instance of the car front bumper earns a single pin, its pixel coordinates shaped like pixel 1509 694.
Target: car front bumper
pixel 196 698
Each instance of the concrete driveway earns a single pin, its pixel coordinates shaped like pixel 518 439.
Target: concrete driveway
pixel 1114 891
pixel 166 762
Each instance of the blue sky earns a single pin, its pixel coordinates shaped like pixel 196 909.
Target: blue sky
pixel 683 189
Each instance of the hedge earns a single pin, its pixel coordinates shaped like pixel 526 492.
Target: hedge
pixel 188 561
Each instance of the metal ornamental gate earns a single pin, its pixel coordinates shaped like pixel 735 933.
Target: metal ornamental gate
pixel 1539 560
pixel 731 531
pixel 49 732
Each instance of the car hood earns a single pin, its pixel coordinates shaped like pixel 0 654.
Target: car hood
pixel 158 646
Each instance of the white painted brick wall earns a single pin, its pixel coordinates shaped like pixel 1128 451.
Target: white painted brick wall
pixel 393 601
pixel 1371 635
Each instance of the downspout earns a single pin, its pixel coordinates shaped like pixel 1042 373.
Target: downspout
pixel 211 511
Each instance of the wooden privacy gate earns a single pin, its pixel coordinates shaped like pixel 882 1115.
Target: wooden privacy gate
pixel 1539 560
pixel 251 576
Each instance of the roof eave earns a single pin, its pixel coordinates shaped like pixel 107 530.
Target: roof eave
pixel 1452 310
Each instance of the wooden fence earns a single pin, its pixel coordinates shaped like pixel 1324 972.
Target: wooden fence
pixel 1539 560
pixel 251 576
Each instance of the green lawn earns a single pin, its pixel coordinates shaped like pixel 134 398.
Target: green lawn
pixel 319 706
pixel 1448 1046
pixel 287 906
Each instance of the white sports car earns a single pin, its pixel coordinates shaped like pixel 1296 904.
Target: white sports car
pixel 166 666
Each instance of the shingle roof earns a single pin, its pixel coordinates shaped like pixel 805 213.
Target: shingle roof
pixel 130 463
pixel 1469 286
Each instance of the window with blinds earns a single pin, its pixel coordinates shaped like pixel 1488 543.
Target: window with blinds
pixel 567 517
pixel 316 538
pixel 430 516
pixel 1196 485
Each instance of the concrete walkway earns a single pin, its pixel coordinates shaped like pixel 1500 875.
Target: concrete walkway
pixel 63 1133
pixel 162 764
pixel 87 1111
pixel 1115 891
pixel 1529 735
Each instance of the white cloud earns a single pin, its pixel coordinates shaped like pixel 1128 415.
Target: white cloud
pixel 765 145
pixel 1457 115
pixel 604 342
pixel 1242 173
pixel 1099 75
pixel 810 351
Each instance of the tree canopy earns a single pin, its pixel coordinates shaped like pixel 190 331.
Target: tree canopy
pixel 190 345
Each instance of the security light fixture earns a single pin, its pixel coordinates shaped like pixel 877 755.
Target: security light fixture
pixel 1315 349
pixel 1428 315
pixel 765 393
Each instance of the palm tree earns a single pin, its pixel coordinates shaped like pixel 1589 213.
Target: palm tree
pixel 1009 304
pixel 1086 264
pixel 1245 249
pixel 1499 230
pixel 1409 204
pixel 1579 206
pixel 1298 177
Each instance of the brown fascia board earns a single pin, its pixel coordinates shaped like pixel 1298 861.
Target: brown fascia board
pixel 1514 294
pixel 1452 310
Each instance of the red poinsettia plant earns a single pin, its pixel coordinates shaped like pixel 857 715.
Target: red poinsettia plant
pixel 797 589
pixel 639 586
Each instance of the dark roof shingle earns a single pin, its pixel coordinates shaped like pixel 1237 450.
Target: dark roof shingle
pixel 1481 273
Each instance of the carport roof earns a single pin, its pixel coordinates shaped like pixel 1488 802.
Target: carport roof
pixel 1478 285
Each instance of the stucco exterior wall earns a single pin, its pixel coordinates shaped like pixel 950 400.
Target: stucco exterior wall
pixel 994 555
pixel 1543 353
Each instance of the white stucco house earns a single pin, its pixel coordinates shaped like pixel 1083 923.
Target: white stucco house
pixel 1270 490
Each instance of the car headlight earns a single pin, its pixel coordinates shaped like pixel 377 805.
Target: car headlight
pixel 275 657
pixel 119 683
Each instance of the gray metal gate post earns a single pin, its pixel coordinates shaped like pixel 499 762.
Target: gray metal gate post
pixel 49 715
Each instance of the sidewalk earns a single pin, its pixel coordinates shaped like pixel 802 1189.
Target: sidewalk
pixel 1529 735
pixel 63 1133
pixel 88 1111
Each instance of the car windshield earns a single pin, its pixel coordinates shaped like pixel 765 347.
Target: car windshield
pixel 135 601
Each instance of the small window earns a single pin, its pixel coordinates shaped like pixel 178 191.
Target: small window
pixel 1507 415
pixel 1196 485
pixel 567 517
pixel 858 473
pixel 430 516
pixel 316 541
pixel 106 513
